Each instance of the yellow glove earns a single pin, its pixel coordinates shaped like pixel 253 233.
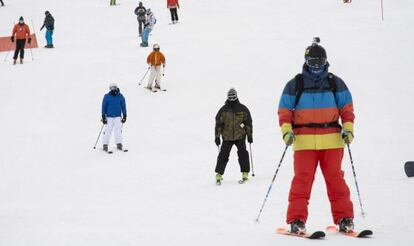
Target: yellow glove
pixel 287 134
pixel 288 138
pixel 348 132
pixel 347 136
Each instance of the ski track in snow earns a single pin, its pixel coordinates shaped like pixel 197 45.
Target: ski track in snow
pixel 56 190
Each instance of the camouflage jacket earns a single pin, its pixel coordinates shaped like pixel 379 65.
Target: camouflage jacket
pixel 233 121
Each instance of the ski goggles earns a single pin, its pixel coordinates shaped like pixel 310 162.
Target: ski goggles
pixel 316 62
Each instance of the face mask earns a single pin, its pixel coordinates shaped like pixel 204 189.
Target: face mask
pixel 21 22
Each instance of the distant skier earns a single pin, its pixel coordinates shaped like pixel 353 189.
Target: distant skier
pixel 140 12
pixel 309 111
pixel 113 108
pixel 21 31
pixel 49 23
pixel 173 5
pixel 233 124
pixel 149 25
pixel 112 2
pixel 155 59
pixel 1 1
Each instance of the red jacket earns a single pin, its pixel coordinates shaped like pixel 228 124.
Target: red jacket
pixel 173 4
pixel 21 31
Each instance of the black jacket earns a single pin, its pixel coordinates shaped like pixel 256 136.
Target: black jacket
pixel 49 23
pixel 233 121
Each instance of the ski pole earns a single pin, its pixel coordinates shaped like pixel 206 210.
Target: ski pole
pixel 251 159
pixel 100 132
pixel 271 184
pixel 144 75
pixel 356 182
pixel 30 45
pixel 163 70
pixel 31 52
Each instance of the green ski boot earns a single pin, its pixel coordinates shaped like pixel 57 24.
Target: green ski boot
pixel 245 177
pixel 219 178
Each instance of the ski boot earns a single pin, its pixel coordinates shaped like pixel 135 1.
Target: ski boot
pixel 346 225
pixel 105 147
pixel 219 178
pixel 245 177
pixel 119 146
pixel 21 60
pixel 297 227
pixel 14 61
pixel 157 87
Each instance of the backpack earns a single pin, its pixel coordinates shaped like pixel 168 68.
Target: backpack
pixel 299 87
pixel 298 92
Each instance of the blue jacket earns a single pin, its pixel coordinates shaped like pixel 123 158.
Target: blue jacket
pixel 114 105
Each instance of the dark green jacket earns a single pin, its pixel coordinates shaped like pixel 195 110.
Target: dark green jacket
pixel 233 121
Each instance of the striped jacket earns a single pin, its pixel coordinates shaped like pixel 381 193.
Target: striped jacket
pixel 316 106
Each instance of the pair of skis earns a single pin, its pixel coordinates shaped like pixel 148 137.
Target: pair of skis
pixel 111 152
pixel 321 234
pixel 155 90
pixel 241 181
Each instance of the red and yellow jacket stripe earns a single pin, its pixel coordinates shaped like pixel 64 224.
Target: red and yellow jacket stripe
pixel 316 106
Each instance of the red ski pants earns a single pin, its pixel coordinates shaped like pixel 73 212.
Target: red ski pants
pixel 305 164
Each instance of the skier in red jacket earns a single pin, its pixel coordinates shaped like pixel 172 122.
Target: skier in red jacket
pixel 173 5
pixel 21 31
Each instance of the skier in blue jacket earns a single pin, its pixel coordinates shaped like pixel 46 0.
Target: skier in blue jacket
pixel 114 114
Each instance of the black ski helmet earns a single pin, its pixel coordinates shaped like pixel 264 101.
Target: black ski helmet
pixel 315 55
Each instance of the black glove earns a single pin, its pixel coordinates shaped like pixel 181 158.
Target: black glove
pixel 123 119
pixel 250 139
pixel 217 141
pixel 12 39
pixel 104 120
pixel 29 40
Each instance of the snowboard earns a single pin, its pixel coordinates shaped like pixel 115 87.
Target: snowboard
pixel 309 235
pixel 359 234
pixel 409 168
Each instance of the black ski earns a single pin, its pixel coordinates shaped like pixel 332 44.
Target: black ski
pixel 359 234
pixel 309 235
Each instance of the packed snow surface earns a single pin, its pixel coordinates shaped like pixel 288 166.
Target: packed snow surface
pixel 56 190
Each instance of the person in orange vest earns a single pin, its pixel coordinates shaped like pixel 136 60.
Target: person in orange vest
pixel 173 5
pixel 155 59
pixel 21 31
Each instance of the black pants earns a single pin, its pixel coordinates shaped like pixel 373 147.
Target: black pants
pixel 20 43
pixel 140 26
pixel 2 4
pixel 224 154
pixel 174 14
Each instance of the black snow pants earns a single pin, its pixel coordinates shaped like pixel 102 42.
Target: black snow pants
pixel 174 14
pixel 140 26
pixel 20 43
pixel 224 154
pixel 2 4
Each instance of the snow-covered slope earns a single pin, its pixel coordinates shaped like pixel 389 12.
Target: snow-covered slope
pixel 56 190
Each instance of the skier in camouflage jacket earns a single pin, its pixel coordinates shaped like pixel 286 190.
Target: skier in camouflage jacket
pixel 233 124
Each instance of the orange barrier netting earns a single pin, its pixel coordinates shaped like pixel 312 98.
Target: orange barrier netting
pixel 6 44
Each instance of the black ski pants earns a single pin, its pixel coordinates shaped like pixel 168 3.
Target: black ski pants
pixel 2 4
pixel 174 14
pixel 140 26
pixel 20 43
pixel 224 154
